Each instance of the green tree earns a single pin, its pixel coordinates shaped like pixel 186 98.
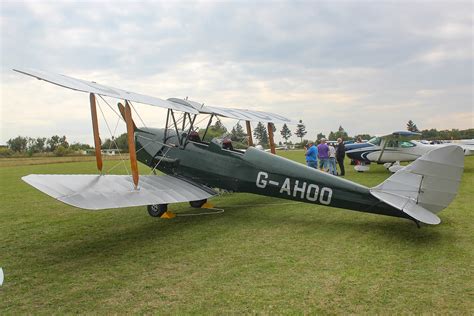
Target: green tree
pixel 412 126
pixel 108 144
pixel 18 144
pixel 321 136
pixel 61 151
pixel 79 146
pixel 467 133
pixel 260 133
pixel 300 130
pixel 237 134
pixel 216 130
pixel 40 145
pixel 429 134
pixel 285 133
pixel 122 142
pixel 341 133
pixel 362 136
pixel 56 141
pixel 220 127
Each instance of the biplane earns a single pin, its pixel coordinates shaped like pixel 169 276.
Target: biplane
pixel 193 168
pixel 390 150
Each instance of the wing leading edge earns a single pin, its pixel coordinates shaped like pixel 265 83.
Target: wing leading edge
pixel 239 114
pixel 95 192
pixel 172 103
pixel 93 87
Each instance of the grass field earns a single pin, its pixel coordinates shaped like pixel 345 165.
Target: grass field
pixel 261 255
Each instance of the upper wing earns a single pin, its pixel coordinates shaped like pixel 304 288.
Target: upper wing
pixel 95 192
pixel 93 87
pixel 239 114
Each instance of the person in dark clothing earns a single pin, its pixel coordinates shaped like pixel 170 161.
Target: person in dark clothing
pixel 340 153
pixel 227 144
pixel 194 136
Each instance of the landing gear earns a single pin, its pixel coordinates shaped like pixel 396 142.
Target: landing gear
pixel 156 210
pixel 417 223
pixel 197 204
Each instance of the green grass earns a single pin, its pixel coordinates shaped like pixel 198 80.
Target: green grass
pixel 262 255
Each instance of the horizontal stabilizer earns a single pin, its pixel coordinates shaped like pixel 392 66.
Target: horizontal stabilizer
pixel 408 206
pixel 426 186
pixel 95 192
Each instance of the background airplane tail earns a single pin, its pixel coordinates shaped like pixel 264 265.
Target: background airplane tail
pixel 426 186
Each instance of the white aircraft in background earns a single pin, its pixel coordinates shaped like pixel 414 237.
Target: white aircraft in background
pixel 394 148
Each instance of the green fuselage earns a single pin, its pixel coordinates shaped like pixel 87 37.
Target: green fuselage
pixel 253 171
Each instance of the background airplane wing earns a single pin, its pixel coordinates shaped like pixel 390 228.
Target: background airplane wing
pixel 95 192
pixel 93 87
pixel 402 135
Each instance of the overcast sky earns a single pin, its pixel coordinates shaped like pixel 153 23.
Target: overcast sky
pixel 368 66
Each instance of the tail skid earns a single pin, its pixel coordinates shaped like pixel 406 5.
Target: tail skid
pixel 426 186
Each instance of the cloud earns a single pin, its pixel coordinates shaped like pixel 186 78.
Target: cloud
pixel 367 66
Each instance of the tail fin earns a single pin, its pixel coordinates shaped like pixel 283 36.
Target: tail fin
pixel 426 186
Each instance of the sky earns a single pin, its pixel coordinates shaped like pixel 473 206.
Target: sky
pixel 368 66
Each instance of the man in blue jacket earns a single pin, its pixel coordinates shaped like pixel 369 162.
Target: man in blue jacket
pixel 311 155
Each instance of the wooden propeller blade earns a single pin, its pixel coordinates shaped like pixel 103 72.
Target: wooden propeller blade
pixel 122 112
pixel 95 129
pixel 131 143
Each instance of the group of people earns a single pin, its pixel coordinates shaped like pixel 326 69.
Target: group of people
pixel 327 155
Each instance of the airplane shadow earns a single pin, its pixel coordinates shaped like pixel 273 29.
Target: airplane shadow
pixel 113 242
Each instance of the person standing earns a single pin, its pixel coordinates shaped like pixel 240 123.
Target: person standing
pixel 323 155
pixel 311 155
pixel 332 160
pixel 340 154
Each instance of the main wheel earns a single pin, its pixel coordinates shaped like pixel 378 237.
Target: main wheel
pixel 197 204
pixel 156 210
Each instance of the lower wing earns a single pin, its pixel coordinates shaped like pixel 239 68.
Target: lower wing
pixel 95 192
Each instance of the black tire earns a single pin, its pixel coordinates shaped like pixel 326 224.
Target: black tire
pixel 197 204
pixel 156 210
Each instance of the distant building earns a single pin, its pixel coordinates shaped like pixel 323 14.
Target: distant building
pixel 109 152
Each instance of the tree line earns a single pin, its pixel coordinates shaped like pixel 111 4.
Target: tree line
pixel 58 145
pixel 434 134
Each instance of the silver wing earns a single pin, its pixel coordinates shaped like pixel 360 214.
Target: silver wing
pixel 93 87
pixel 239 114
pixel 95 192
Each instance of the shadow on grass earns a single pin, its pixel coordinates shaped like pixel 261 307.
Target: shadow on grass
pixel 185 235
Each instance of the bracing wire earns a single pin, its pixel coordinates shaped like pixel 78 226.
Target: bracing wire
pixel 136 112
pixel 112 138
pixel 120 116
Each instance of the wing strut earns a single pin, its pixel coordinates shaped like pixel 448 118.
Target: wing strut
pixel 270 137
pixel 95 128
pixel 383 149
pixel 131 143
pixel 249 132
